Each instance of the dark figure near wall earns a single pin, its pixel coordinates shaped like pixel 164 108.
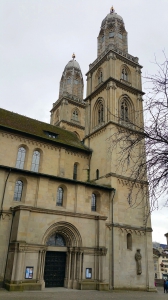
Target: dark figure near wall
pixel 164 285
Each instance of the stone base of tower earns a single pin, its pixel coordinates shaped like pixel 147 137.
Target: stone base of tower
pixel 23 286
pixel 93 285
pixel 136 288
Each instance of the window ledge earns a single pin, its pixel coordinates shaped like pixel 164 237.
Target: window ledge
pixel 126 82
pixel 99 84
pixel 60 207
pixel 126 124
pixel 75 121
pixel 99 125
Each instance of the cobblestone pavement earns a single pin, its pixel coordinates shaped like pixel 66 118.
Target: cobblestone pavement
pixel 64 294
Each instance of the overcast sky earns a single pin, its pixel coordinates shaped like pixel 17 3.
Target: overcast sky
pixel 38 38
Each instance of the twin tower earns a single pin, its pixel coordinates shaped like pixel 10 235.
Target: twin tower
pixel 113 85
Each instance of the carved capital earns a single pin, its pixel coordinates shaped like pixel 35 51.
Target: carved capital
pixel 139 97
pixel 111 56
pixel 138 70
pixel 111 85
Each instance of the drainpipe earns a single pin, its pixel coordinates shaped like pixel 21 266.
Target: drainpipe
pixel 3 196
pixel 112 235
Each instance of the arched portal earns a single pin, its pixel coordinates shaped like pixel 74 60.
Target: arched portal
pixel 63 257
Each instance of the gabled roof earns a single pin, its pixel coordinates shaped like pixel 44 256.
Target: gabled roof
pixel 23 125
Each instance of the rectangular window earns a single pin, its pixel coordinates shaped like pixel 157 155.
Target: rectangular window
pixel 29 273
pixel 51 134
pixel 88 273
pixel 111 34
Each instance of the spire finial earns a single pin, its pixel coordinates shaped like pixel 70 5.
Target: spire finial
pixel 112 10
pixel 73 56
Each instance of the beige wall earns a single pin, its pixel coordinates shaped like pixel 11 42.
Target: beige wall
pixel 54 160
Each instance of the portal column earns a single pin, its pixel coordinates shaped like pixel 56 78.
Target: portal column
pixel 69 268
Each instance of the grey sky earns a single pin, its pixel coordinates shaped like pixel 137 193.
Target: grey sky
pixel 38 37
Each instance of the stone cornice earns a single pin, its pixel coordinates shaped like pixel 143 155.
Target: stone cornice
pixel 57 178
pixel 108 123
pixel 129 227
pixel 58 212
pixel 72 124
pixel 126 57
pixel 36 138
pixel 21 246
pixel 126 178
pixel 119 84
pixel 76 103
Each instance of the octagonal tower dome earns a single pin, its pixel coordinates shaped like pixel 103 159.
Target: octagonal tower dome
pixel 112 32
pixel 72 80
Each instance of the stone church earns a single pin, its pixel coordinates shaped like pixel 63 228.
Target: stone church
pixel 65 220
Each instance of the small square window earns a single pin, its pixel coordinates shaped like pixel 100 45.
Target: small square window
pixel 51 134
pixel 88 273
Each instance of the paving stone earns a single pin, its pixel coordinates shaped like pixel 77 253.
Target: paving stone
pixel 66 294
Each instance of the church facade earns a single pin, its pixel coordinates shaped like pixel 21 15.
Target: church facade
pixel 64 218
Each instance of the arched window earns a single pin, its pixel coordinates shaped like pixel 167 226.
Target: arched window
pixel 97 174
pixel 100 77
pixel 129 241
pixel 75 115
pixel 68 80
pixel 18 190
pixel 75 169
pixel 124 74
pixel 93 203
pixel 35 161
pixel 102 38
pixel 56 239
pixel 120 33
pixel 20 158
pixel 124 110
pixel 76 81
pixel 100 113
pixel 60 193
pixel 111 34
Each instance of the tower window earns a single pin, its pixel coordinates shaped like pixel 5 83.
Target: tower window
pixel 20 158
pixel 76 81
pixel 59 196
pixel 111 34
pixel 93 203
pixel 124 74
pixel 129 241
pixel 102 39
pixel 97 174
pixel 69 80
pixel 100 113
pixel 100 77
pixel 120 35
pixel 75 115
pixel 75 169
pixel 35 161
pixel 18 190
pixel 124 110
